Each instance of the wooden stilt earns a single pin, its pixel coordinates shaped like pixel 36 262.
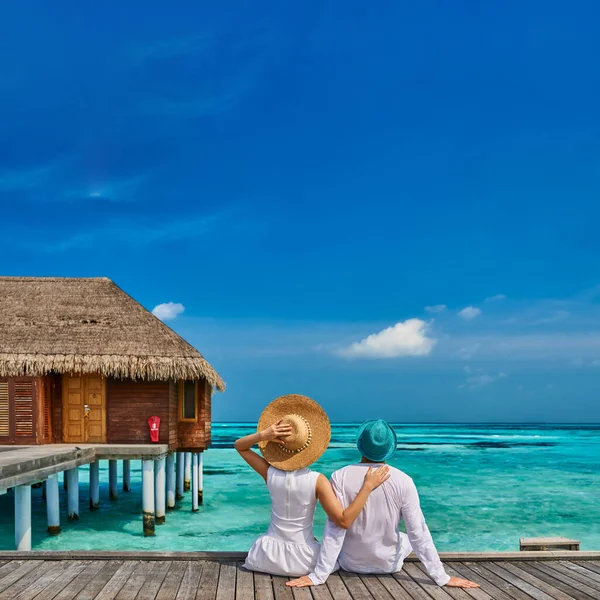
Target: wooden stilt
pixel 180 475
pixel 23 517
pixel 195 481
pixel 73 494
pixel 159 501
pixel 148 496
pixel 95 485
pixel 52 505
pixel 126 476
pixel 170 481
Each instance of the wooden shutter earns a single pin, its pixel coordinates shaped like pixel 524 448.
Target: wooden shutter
pixel 4 410
pixel 24 398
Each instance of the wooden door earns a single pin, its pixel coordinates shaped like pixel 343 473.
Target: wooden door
pixel 84 409
pixel 18 410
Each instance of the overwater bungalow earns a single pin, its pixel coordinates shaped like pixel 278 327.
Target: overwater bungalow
pixel 83 362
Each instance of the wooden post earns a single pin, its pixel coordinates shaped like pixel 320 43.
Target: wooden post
pixel 112 479
pixel 159 502
pixel 200 476
pixel 180 470
pixel 73 494
pixel 148 496
pixel 170 481
pixel 188 472
pixel 52 504
pixel 95 485
pixel 195 481
pixel 23 517
pixel 126 476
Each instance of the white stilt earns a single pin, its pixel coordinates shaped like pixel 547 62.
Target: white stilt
pixel 170 481
pixel 52 505
pixel 73 494
pixel 95 485
pixel 112 479
pixel 180 470
pixel 200 477
pixel 148 496
pixel 44 490
pixel 187 478
pixel 23 517
pixel 160 480
pixel 194 481
pixel 126 476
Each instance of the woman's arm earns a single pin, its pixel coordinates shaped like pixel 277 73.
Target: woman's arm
pixel 331 505
pixel 244 445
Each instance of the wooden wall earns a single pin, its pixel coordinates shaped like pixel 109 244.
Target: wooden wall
pixel 129 403
pixel 196 436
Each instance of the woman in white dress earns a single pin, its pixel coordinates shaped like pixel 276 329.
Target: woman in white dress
pixel 293 432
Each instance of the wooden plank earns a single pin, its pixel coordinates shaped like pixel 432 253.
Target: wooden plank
pixel 411 587
pixel 582 577
pixel 589 565
pixel 301 593
pixel 134 584
pixel 227 577
pixel 427 584
pixel 570 585
pixel 74 587
pixel 320 592
pixel 117 581
pixel 488 588
pixel 394 588
pixel 355 586
pixel 375 587
pixel 45 580
pixel 244 586
pixel 551 580
pixel 337 588
pixel 63 580
pixel 190 581
pixel 16 574
pixel 172 581
pixel 154 580
pixel 517 581
pixel 13 590
pixel 501 584
pixel 263 587
pixel 543 586
pixel 207 588
pixel 9 566
pixel 94 586
pixel 280 590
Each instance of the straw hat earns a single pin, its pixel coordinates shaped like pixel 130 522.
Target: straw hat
pixel 310 432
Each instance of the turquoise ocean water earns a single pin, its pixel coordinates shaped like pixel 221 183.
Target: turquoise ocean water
pixel 481 486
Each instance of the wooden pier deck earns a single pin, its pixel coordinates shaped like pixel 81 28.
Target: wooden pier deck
pixel 218 576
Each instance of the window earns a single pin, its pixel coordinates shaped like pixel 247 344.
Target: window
pixel 188 401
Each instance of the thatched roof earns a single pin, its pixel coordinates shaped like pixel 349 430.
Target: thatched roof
pixel 73 325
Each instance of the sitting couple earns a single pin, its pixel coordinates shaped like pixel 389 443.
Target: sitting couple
pixel 364 502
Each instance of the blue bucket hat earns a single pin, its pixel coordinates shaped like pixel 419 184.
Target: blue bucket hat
pixel 376 440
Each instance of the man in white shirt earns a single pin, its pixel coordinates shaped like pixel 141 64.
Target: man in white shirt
pixel 373 544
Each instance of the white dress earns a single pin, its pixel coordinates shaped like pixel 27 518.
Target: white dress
pixel 289 547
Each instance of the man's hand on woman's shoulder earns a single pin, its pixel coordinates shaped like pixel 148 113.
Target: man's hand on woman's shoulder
pixel 461 583
pixel 300 582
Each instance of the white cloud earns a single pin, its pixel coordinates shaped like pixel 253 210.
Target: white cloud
pixel 469 312
pixel 496 298
pixel 408 338
pixel 479 381
pixel 168 310
pixel 436 308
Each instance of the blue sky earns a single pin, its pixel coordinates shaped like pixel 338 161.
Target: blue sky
pixel 300 177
